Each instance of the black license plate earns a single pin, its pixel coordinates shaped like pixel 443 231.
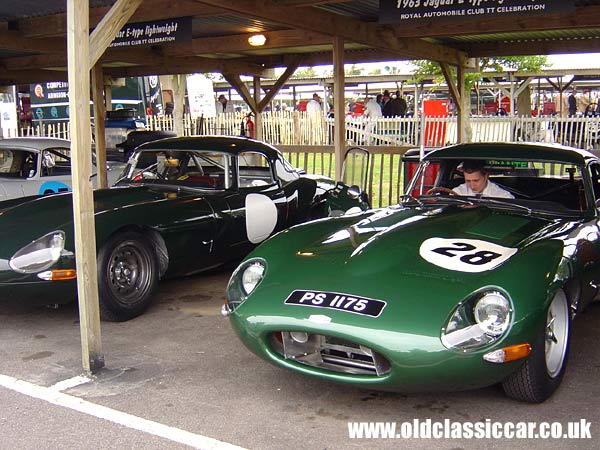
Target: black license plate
pixel 335 300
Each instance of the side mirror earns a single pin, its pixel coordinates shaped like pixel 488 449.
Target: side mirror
pixel 354 192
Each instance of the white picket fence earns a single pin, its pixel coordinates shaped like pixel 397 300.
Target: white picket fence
pixel 307 140
pixel 297 128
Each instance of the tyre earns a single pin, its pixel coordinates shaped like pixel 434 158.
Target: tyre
pixel 542 372
pixel 127 276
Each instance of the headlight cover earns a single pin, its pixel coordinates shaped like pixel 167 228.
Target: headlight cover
pixel 244 281
pixel 40 254
pixel 482 319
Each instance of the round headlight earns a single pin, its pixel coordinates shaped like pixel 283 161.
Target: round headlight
pixel 251 276
pixel 492 313
pixel 40 254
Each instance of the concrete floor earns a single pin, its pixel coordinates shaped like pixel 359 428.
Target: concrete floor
pixel 181 365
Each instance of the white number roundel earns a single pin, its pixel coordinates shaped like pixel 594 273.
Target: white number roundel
pixel 464 255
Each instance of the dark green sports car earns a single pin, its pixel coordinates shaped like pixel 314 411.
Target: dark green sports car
pixel 460 285
pixel 183 205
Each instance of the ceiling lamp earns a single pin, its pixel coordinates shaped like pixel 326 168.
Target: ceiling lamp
pixel 256 40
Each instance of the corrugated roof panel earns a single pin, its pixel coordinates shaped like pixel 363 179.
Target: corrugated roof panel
pixel 581 33
pixel 20 9
pixel 365 10
pixel 226 24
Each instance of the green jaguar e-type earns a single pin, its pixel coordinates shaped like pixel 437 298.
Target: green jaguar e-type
pixel 182 206
pixel 472 279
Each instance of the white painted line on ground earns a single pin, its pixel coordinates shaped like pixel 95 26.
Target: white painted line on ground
pixel 137 423
pixel 70 383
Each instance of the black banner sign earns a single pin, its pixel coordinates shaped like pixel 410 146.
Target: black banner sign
pixel 54 92
pixel 394 11
pixel 157 32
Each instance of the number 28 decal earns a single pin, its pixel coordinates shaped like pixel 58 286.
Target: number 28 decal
pixel 464 255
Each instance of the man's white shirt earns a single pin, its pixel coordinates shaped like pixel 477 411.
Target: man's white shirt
pixel 313 106
pixel 372 109
pixel 491 190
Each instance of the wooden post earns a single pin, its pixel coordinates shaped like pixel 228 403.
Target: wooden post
pixel 464 111
pixel 179 83
pixel 339 105
pixel 258 134
pixel 83 200
pixel 99 114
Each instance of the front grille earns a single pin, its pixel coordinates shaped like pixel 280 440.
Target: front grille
pixel 329 353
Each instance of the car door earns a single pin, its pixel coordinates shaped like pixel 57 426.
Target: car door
pixel 53 171
pixel 258 205
pixel 588 245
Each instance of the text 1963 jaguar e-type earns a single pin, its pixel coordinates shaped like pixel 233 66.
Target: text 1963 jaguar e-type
pixel 183 205
pixel 441 291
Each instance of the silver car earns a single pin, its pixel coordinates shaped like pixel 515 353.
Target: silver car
pixel 39 166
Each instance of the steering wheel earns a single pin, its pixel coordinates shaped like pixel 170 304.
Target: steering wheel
pixel 441 190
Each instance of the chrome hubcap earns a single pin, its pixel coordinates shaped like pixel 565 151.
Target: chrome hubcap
pixel 556 334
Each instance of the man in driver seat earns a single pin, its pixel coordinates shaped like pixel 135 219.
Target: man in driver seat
pixel 476 182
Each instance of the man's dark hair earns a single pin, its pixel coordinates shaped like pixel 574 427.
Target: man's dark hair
pixel 474 165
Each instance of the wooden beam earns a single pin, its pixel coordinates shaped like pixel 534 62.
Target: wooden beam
pixel 258 115
pixel 190 65
pixel 451 82
pixel 108 27
pixel 56 24
pixel 83 199
pixel 14 40
pixel 372 34
pixel 99 114
pixel 339 105
pixel 235 81
pixel 18 77
pixel 303 3
pixel 533 47
pixel 289 71
pixel 238 43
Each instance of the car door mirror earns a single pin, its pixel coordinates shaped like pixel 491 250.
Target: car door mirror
pixel 354 192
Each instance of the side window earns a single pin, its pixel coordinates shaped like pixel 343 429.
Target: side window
pixel 595 175
pixel 56 162
pixel 285 171
pixel 254 170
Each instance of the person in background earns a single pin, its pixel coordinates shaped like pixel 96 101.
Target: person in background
pixel 400 105
pixel 573 103
pixel 223 106
pixel 372 108
pixel 476 182
pixel 372 112
pixel 314 105
pixel 379 100
pixel 388 108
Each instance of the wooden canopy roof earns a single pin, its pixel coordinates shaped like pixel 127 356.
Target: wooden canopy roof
pixel 33 44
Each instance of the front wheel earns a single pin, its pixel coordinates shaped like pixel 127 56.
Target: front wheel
pixel 541 374
pixel 127 276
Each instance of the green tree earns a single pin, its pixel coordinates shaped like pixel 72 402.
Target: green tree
pixel 431 70
pixel 353 70
pixel 305 72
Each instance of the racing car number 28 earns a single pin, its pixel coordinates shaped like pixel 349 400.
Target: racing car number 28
pixel 464 255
